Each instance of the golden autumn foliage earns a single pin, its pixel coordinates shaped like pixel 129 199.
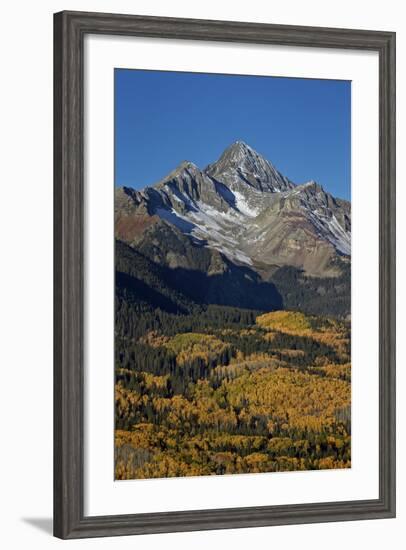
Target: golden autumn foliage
pixel 274 396
pixel 327 331
pixel 196 346
pixel 292 322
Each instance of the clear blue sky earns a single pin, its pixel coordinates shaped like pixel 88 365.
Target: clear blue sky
pixel 302 126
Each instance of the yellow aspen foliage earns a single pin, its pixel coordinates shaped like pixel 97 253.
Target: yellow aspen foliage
pixel 269 397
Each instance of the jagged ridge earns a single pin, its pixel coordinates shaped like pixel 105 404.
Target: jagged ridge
pixel 244 208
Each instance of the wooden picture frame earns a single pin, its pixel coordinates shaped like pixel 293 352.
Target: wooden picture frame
pixel 70 29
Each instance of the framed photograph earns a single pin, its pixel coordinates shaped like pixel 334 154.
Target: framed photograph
pixel 224 275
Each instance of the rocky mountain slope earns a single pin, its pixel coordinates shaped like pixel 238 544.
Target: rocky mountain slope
pixel 239 222
pixel 244 208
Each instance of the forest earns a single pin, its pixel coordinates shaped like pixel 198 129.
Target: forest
pixel 212 389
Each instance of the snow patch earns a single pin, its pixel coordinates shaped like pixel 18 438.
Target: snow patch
pixel 244 207
pixel 331 230
pixel 175 219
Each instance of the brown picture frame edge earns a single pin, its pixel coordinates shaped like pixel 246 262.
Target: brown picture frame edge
pixel 69 31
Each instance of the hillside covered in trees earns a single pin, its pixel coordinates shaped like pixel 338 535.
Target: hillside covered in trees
pixel 204 389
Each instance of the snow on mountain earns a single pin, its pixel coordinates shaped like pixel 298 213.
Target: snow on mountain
pixel 333 232
pixel 247 210
pixel 243 206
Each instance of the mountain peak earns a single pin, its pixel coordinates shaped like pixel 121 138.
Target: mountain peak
pixel 185 168
pixel 239 152
pixel 187 165
pixel 241 146
pixel 240 160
